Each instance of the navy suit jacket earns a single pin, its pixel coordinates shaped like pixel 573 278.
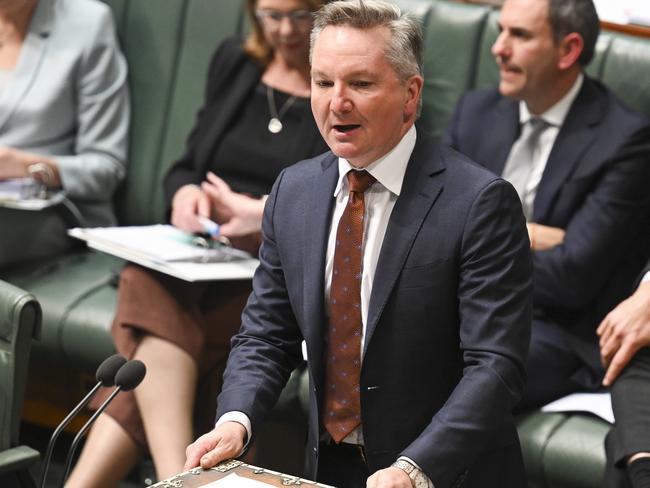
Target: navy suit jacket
pixel 448 323
pixel 595 186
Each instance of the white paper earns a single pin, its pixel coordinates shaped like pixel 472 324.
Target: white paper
pixel 599 404
pixel 234 481
pixel 25 194
pixel 624 11
pixel 160 247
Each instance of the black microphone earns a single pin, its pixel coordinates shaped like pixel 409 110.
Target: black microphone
pixel 127 378
pixel 105 377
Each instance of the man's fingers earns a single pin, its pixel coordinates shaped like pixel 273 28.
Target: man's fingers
pixel 602 327
pixel 225 449
pixel 193 454
pixel 619 361
pixel 607 349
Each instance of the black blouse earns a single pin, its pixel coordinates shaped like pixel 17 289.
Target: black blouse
pixel 250 157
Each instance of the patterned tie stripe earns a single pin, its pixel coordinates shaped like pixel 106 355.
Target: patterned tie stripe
pixel 342 413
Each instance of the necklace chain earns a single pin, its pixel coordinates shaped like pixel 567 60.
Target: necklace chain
pixel 275 124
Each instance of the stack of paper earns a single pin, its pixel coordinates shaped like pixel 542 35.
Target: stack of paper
pixel 17 189
pixel 169 250
pixel 25 194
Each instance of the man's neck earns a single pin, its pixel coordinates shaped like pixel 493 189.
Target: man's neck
pixel 554 94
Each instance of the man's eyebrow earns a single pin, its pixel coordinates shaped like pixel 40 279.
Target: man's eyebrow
pixel 515 30
pixel 362 73
pixel 318 73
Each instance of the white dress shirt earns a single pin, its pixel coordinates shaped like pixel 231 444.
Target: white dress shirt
pixel 555 117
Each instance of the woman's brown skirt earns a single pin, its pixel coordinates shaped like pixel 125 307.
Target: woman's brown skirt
pixel 200 318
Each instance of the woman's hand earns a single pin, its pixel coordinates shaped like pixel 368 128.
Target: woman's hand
pixel 238 214
pixel 189 202
pixel 543 237
pixel 15 164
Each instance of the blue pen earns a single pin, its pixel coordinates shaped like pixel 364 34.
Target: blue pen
pixel 209 226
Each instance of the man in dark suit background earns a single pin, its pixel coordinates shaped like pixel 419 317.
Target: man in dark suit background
pixel 625 350
pixel 580 161
pixel 406 270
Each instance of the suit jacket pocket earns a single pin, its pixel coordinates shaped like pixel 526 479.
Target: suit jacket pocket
pixel 425 275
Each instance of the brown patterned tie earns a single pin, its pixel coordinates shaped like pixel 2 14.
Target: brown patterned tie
pixel 342 413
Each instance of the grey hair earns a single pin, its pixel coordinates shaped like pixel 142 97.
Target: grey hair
pixel 404 49
pixel 567 16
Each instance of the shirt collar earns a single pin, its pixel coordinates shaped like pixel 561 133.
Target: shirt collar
pixel 557 113
pixel 388 170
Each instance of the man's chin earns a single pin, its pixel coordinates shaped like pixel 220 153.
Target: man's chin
pixel 509 90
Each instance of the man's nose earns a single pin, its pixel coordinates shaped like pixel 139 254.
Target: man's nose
pixel 501 47
pixel 340 102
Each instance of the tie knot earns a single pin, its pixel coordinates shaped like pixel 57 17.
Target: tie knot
pixel 359 181
pixel 538 124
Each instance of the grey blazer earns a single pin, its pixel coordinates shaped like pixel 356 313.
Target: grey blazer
pixel 68 99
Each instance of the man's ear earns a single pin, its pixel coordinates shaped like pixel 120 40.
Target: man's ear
pixel 570 49
pixel 414 91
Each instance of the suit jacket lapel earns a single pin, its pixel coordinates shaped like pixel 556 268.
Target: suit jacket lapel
pixel 420 190
pixel 574 138
pixel 31 56
pixel 316 233
pixel 501 140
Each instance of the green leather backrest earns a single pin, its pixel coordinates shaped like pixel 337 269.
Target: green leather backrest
pixel 487 73
pixel 206 24
pixel 167 47
pixel 626 70
pixel 452 37
pixel 20 319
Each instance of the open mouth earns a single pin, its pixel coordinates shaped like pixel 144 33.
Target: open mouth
pixel 346 127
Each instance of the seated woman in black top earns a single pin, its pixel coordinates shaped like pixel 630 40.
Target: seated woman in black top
pixel 255 121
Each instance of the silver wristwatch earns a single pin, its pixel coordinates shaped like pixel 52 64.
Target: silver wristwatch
pixel 418 478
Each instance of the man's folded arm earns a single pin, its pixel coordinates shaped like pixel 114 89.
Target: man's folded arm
pixel 615 213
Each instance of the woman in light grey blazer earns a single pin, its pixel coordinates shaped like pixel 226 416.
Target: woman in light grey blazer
pixel 64 116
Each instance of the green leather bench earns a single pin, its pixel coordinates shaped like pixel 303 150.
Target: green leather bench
pixel 168 47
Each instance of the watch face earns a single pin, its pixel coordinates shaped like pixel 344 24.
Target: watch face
pixel 419 480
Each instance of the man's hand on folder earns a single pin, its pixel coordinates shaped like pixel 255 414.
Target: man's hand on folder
pixel 188 203
pixel 223 442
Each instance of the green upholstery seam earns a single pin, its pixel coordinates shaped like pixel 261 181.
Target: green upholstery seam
pixel 601 68
pixel 472 78
pixel 64 318
pixel 545 445
pixel 166 115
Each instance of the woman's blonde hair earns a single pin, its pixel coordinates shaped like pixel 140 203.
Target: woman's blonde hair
pixel 255 45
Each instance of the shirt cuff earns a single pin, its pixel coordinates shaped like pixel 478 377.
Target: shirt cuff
pixel 409 460
pixel 240 418
pixel 646 277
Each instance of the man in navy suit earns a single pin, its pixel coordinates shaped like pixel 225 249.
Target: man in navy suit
pixel 584 187
pixel 416 333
